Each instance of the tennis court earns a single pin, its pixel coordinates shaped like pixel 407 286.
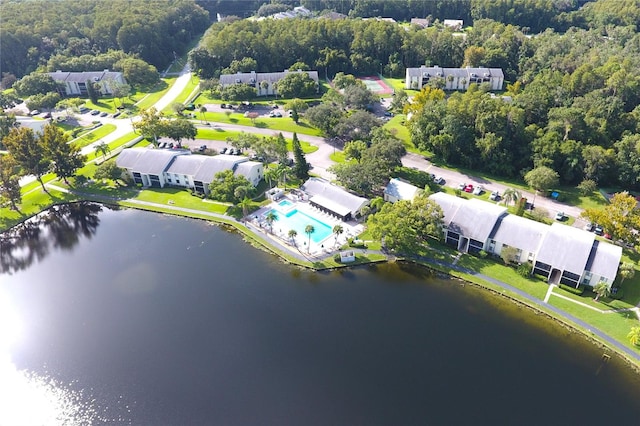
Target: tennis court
pixel 376 85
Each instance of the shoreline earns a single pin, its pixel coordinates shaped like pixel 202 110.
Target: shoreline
pixel 507 292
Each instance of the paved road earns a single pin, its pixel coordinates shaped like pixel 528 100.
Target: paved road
pixel 454 178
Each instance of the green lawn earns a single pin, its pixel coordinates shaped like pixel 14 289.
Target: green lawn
pixel 154 96
pixel 616 325
pixel 91 136
pixel 284 124
pixel 32 203
pixel 181 198
pixel 114 144
pixel 492 267
pixel 215 134
pixel 397 128
pixel 189 92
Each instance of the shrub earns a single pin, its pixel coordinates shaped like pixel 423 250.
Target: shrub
pixel 482 254
pixel 524 269
pixel 337 258
pixel 579 291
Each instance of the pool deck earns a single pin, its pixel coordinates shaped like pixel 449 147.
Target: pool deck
pixel 281 237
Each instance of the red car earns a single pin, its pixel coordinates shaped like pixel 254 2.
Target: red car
pixel 468 188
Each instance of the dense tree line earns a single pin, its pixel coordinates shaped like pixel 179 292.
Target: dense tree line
pixel 34 31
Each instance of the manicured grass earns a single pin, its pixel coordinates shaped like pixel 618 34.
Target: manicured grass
pixel 32 203
pixel 492 268
pixel 35 184
pixel 284 124
pixel 400 131
pixel 180 198
pixel 215 134
pixel 113 145
pixel 307 148
pixel 338 157
pixel 616 325
pixel 398 84
pixel 152 97
pixel 93 135
pixel 189 92
pixel 603 304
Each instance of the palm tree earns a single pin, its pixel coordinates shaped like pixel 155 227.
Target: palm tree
pixel 270 175
pixel 309 229
pixel 627 270
pixel 292 235
pixel 337 231
pixel 270 218
pixel 283 172
pixel 634 336
pixel 377 203
pixel 511 195
pixel 203 110
pixel 103 148
pixel 601 290
pixel 245 204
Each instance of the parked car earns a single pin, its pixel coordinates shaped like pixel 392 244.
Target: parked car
pixel 495 196
pixel 468 188
pixel 103 114
pixel 83 110
pixel 34 112
pixel 223 150
pixel 202 148
pixel 223 106
pixel 95 112
pixel 162 144
pixel 46 115
pixel 190 107
pixel 462 186
pixel 560 216
pixel 116 115
pixel 589 227
pixel 439 180
pixel 478 190
pixel 170 145
pixel 598 230
pixel 607 236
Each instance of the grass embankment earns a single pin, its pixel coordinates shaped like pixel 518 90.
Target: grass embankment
pixel 189 92
pixel 217 134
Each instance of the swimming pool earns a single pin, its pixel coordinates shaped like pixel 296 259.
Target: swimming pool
pixel 285 203
pixel 298 220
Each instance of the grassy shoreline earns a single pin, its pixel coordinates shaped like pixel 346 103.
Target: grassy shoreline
pixel 361 259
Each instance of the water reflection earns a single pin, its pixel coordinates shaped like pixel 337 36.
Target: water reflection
pixel 60 227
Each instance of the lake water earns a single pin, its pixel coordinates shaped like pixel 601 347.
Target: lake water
pixel 127 317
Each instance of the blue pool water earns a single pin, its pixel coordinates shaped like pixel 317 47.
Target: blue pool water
pixel 285 203
pixel 298 220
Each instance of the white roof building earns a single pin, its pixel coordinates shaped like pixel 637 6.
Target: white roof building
pixel 454 78
pixel 264 82
pixel 398 189
pixel 333 199
pixel 561 253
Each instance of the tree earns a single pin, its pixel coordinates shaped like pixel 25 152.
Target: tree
pixel 407 226
pixel 619 218
pixel 508 254
pixel 7 122
pixel 271 174
pixel 354 150
pixel 297 85
pixel 270 218
pixel 301 167
pixel 35 83
pixel 179 129
pixel 245 205
pixel 359 97
pixel 119 90
pixel 511 195
pixel 359 125
pixel 65 158
pixel 137 72
pixel 238 92
pixel 541 178
pixel 292 235
pixel 92 91
pixel 299 66
pixel 178 107
pixel 40 101
pixel 627 271
pixel 9 182
pixel 203 111
pixel 150 125
pixel 601 289
pixel 28 152
pixel 109 170
pixel 587 187
pixel 342 81
pixel 337 231
pixel 103 148
pixel 325 117
pixel 224 184
pixel 309 229
pixel 296 106
pixel 634 336
pixel 282 172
